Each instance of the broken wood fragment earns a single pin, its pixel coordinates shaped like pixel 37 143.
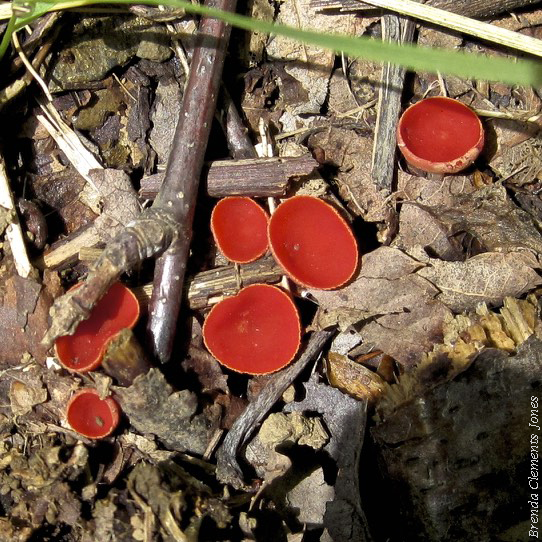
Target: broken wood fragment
pixel 256 177
pixel 209 287
pixel 125 359
pixel 399 30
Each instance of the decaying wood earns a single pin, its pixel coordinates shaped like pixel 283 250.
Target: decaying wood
pixel 228 469
pixel 209 287
pixel 400 30
pixel 125 359
pixel 469 8
pixel 181 180
pixel 453 442
pixel 256 177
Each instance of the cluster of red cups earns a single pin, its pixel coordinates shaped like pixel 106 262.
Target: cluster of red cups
pixel 258 331
pixel 86 412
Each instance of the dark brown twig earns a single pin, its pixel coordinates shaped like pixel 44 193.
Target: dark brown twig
pixel 181 181
pixel 228 469
pixel 236 132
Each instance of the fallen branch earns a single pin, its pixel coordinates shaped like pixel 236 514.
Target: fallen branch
pixel 167 225
pixel 228 469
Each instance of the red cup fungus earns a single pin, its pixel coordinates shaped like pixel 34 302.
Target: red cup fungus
pixel 440 135
pixel 239 227
pixel 313 243
pixel 255 332
pixel 84 350
pixel 91 416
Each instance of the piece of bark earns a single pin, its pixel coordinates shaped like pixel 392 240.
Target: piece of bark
pixel 255 177
pixel 124 360
pixel 396 30
pixel 208 287
pixel 228 469
pixel 452 452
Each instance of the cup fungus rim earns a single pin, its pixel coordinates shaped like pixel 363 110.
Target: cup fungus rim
pixel 217 240
pixel 349 233
pixel 297 332
pixel 97 361
pixel 454 165
pixel 111 403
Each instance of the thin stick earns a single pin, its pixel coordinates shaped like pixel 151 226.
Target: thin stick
pixel 181 180
pixel 465 25
pixel 14 232
pixel 29 67
pixel 228 468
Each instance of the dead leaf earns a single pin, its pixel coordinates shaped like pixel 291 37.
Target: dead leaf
pixel 154 407
pixel 310 498
pixel 23 397
pixel 351 152
pixel 120 204
pixel 24 314
pixel 486 278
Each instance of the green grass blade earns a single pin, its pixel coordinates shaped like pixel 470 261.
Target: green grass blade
pixel 465 65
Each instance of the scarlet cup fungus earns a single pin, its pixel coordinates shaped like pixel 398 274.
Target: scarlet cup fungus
pixel 239 227
pixel 313 243
pixel 255 332
pixel 440 135
pixel 83 351
pixel 91 416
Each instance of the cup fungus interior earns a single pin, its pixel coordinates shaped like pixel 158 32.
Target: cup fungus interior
pixel 313 243
pixel 91 416
pixel 255 332
pixel 440 129
pixel 116 310
pixel 239 227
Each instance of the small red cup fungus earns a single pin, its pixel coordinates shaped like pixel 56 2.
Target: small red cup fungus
pixel 255 332
pixel 83 351
pixel 91 416
pixel 239 227
pixel 313 243
pixel 440 135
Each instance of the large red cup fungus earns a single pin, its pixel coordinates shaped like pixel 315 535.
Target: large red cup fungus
pixel 313 243
pixel 239 227
pixel 440 135
pixel 255 332
pixel 91 416
pixel 83 351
